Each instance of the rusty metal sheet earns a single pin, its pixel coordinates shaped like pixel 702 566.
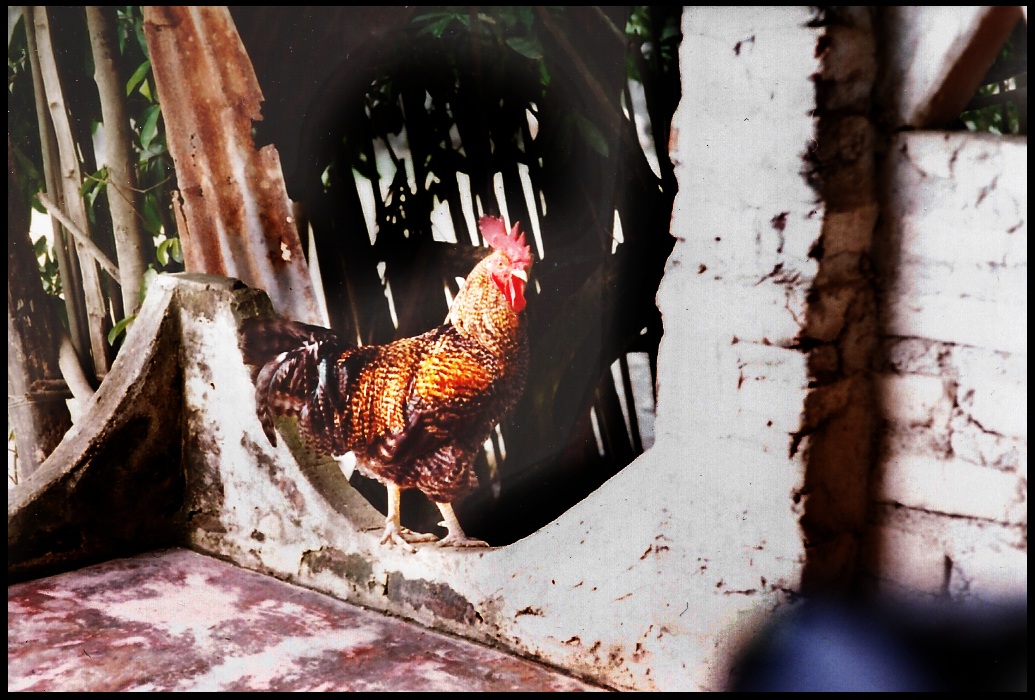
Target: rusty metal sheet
pixel 234 215
pixel 176 620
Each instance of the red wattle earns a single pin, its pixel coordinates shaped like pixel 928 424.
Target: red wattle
pixel 516 294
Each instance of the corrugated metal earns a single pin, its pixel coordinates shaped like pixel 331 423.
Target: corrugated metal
pixel 234 213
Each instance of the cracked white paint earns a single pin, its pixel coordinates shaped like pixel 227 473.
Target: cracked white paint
pixel 955 291
pixel 957 216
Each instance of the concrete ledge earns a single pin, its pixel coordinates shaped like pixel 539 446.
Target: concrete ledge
pixel 115 483
pixel 621 589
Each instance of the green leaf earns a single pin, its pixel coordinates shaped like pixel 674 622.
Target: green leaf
pixel 154 149
pixel 138 25
pixel 670 31
pixel 137 76
pixel 150 127
pixel 117 329
pixel 529 48
pixel 29 173
pixel 163 253
pixel 592 135
pixel 145 90
pixel 430 15
pixel 146 280
pixel 39 207
pixel 152 219
pixel 436 28
pixel 170 248
pixel 525 16
pixel 544 75
pixel 40 246
pixel 95 180
pixel 91 197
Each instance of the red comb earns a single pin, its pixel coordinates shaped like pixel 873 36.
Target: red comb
pixel 510 244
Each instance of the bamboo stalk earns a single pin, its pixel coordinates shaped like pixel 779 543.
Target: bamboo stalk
pixel 122 186
pixel 80 237
pixel 71 179
pixel 74 304
pixel 31 355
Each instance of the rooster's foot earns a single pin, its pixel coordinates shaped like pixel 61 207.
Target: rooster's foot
pixel 459 539
pixel 399 535
pixel 456 536
pixel 460 542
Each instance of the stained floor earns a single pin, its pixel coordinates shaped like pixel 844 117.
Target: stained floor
pixel 177 620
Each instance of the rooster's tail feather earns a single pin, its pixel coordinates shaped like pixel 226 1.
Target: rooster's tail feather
pixel 296 374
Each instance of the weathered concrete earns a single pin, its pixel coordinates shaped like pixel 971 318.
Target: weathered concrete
pixel 114 484
pixel 603 592
pixel 176 621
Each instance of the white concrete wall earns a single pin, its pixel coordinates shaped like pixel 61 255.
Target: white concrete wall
pixel 738 140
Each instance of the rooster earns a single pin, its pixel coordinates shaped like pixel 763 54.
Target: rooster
pixel 414 412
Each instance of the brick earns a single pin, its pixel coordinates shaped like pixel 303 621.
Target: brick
pixel 998 406
pixel 916 552
pixel 851 65
pixel 972 444
pixel 922 279
pixel 956 223
pixel 848 231
pixel 912 559
pixel 990 571
pixel 967 321
pixel 759 403
pixel 914 400
pixel 952 486
pixel 970 365
pixel 747 308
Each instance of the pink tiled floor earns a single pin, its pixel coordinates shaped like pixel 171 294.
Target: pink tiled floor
pixel 176 620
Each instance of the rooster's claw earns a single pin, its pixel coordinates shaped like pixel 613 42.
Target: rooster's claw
pixel 399 535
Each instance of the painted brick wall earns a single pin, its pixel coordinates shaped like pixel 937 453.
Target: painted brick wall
pixel 871 333
pixel 950 495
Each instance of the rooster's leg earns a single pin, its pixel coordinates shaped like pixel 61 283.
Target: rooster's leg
pixel 456 536
pixel 395 533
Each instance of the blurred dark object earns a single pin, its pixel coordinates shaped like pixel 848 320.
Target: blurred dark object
pixel 832 646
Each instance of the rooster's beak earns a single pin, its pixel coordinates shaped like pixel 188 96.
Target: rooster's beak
pixel 521 275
